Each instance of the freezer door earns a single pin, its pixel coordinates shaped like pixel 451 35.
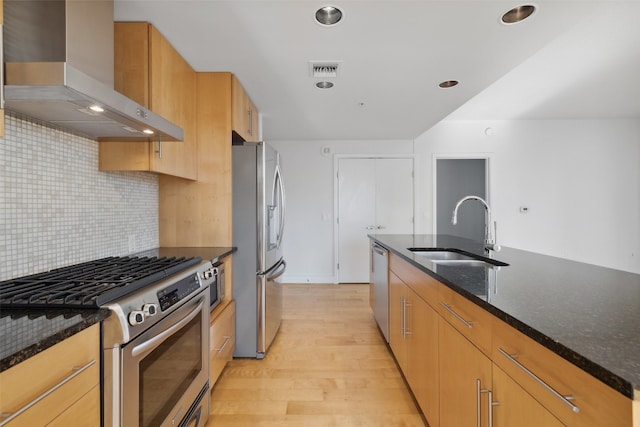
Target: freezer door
pixel 269 307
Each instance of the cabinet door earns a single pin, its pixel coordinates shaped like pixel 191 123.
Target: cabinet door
pixel 422 355
pixel 1 73
pixel 53 381
pixel 464 375
pixel 172 94
pixel 397 302
pixel 244 118
pixel 151 72
pixel 221 340
pixel 513 406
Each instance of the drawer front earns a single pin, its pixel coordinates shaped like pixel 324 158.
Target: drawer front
pixel 571 394
pixel 57 378
pixel 222 340
pixel 84 413
pixel 422 284
pixel 470 320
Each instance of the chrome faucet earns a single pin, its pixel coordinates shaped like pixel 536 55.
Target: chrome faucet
pixel 490 243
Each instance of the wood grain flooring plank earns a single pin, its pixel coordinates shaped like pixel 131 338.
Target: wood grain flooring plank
pixel 328 366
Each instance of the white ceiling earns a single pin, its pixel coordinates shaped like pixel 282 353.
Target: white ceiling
pixel 571 58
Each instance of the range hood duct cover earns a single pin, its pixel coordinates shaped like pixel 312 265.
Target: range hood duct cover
pixel 59 61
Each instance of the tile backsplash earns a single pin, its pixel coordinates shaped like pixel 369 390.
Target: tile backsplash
pixel 57 208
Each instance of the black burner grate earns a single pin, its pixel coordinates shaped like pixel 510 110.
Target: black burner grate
pixel 90 284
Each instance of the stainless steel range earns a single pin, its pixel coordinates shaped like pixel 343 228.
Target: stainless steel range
pixel 155 343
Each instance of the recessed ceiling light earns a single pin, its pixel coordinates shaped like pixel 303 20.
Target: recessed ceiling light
pixel 448 84
pixel 328 15
pixel 148 131
pixel 518 14
pixel 324 85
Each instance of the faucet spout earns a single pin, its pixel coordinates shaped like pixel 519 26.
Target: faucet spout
pixel 489 236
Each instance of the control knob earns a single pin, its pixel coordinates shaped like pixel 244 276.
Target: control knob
pixel 150 309
pixel 136 317
pixel 208 274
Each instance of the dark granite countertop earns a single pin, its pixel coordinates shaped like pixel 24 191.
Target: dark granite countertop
pixel 588 315
pixel 27 332
pixel 213 254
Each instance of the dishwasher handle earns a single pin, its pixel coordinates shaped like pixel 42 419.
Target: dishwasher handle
pixel 379 249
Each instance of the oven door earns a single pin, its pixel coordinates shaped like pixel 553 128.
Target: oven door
pixel 166 368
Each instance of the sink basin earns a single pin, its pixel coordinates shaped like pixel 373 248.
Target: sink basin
pixel 454 258
pixel 441 255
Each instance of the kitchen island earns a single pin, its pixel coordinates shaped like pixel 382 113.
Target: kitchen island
pixel 585 314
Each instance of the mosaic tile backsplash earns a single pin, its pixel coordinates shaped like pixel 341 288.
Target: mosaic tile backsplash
pixel 57 208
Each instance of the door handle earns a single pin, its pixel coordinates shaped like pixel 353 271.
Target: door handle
pixel 370 227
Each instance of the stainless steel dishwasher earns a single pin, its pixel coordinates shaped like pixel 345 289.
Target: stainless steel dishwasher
pixel 380 283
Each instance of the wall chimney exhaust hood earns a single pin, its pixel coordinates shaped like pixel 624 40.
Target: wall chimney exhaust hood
pixel 58 58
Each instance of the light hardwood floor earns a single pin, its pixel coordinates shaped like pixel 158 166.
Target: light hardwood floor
pixel 328 366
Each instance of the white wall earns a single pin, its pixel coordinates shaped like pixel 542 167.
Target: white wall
pixel 580 180
pixel 308 240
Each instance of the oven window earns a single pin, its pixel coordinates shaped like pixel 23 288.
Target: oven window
pixel 168 371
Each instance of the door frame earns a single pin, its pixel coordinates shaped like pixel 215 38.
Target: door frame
pixel 487 157
pixel 336 162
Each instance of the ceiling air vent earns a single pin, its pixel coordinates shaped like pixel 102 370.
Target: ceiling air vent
pixel 323 69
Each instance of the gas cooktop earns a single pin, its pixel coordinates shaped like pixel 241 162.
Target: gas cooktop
pixel 91 284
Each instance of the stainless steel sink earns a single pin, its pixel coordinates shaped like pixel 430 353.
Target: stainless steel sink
pixel 454 258
pixel 441 255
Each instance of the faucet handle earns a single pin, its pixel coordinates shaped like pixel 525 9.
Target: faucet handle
pixel 492 244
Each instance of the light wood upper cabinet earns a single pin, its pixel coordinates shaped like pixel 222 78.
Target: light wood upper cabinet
pixel 64 385
pixel 245 119
pixel 198 213
pixel 2 79
pixel 151 72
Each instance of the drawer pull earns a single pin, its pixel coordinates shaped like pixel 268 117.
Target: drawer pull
pixel 224 344
pixel 466 323
pixel 76 371
pixel 565 399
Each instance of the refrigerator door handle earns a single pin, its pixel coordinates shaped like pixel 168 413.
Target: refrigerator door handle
pixel 278 271
pixel 283 206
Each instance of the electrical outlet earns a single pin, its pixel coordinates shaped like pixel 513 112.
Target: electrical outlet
pixel 524 209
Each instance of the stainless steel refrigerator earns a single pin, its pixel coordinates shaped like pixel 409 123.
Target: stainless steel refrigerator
pixel 258 223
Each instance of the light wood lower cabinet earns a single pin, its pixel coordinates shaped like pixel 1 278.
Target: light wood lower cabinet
pixel 571 394
pixel 486 372
pixel 413 328
pixel 221 340
pixel 513 406
pixel 465 375
pixel 59 386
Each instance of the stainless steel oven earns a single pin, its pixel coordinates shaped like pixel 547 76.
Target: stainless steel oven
pixel 155 342
pixel 158 375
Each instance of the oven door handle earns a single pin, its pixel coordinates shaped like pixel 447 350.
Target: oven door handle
pixel 148 346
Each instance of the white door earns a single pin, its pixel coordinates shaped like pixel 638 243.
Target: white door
pixel 375 196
